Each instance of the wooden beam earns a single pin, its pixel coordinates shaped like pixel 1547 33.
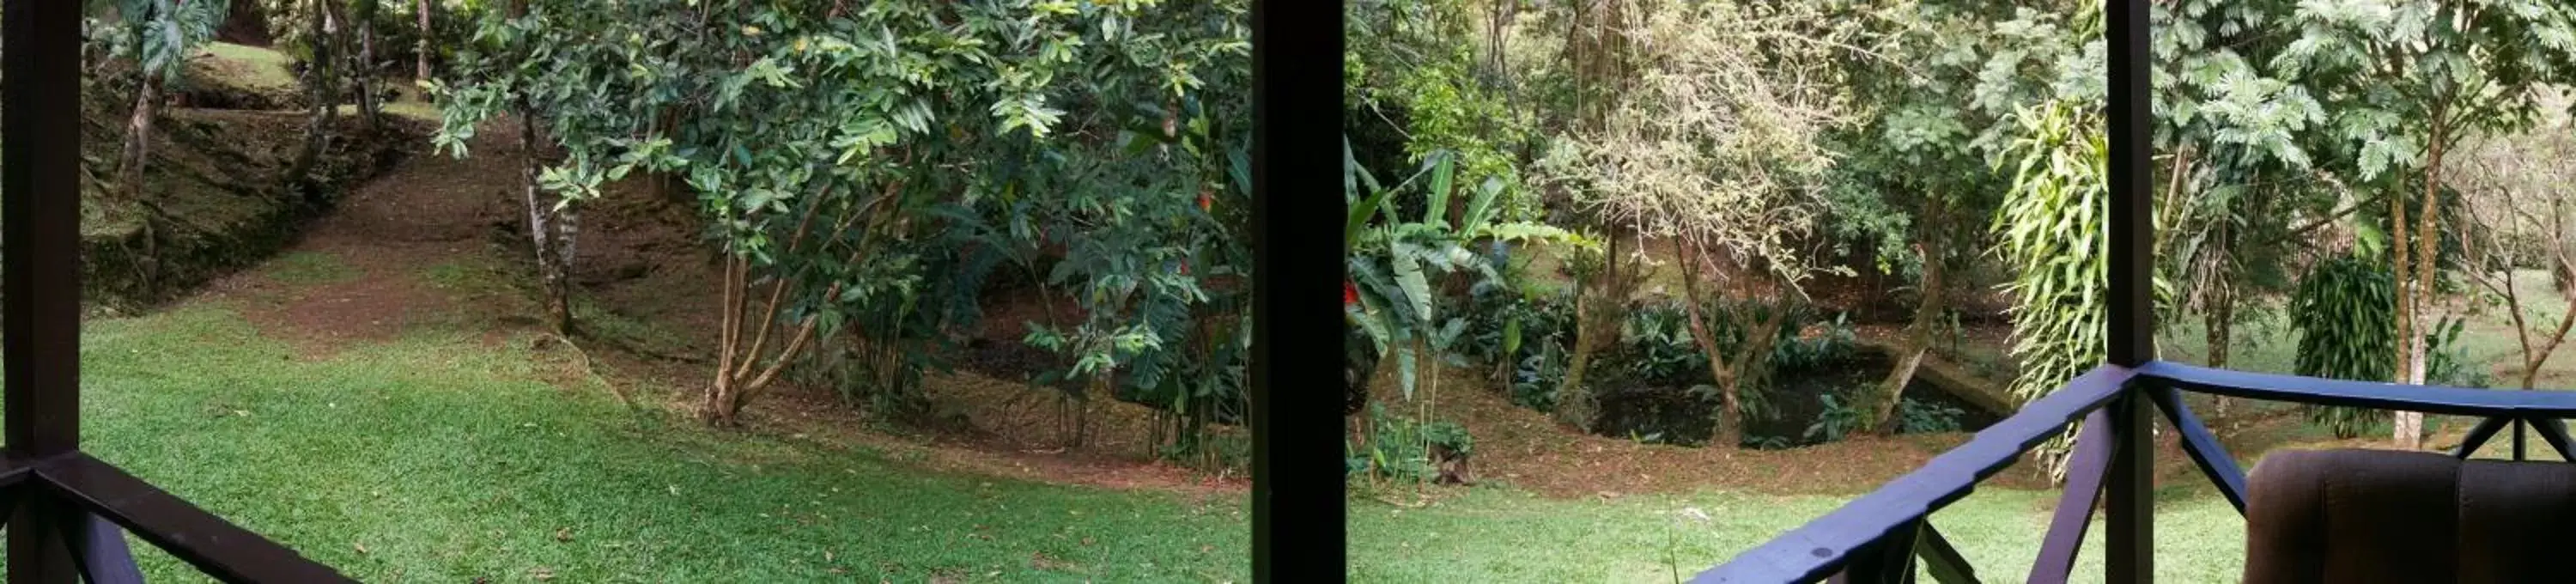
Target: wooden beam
pixel 214 546
pixel 100 551
pixel 2479 435
pixel 1941 559
pixel 2085 471
pixel 2457 401
pixel 1297 322
pixel 1890 560
pixel 2554 432
pixel 2201 445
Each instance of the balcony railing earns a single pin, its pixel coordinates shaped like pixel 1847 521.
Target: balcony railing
pixel 67 512
pixel 1881 536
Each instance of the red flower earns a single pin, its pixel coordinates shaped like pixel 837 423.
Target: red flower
pixel 1350 294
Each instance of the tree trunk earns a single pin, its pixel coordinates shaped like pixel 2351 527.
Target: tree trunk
pixel 2219 322
pixel 138 135
pixel 421 52
pixel 1594 323
pixel 1917 342
pixel 740 369
pixel 365 70
pixel 548 229
pixel 2409 428
pixel 318 79
pixel 1729 374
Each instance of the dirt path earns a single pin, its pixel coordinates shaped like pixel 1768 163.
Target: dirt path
pixel 359 273
pixel 389 259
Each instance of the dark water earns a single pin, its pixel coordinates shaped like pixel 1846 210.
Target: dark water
pixel 1673 415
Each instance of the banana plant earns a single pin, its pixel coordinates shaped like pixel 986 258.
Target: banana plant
pixel 1390 259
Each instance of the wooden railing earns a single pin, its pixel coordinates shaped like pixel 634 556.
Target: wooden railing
pixel 68 512
pixel 1880 536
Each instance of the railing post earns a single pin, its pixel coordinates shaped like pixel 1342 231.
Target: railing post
pixel 39 271
pixel 2130 488
pixel 2129 492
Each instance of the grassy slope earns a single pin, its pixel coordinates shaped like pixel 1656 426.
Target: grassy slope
pixel 361 461
pixel 253 67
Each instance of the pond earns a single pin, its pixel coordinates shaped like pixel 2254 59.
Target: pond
pixel 1806 406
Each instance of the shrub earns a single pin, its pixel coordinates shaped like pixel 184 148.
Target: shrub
pixel 1837 419
pixel 1916 416
pixel 1396 449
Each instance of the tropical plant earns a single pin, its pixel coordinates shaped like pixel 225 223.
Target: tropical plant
pixel 2051 231
pixel 1393 260
pixel 1837 417
pixel 155 37
pixel 2346 331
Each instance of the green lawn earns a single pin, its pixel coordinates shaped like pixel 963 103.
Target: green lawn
pixel 1500 535
pixel 437 458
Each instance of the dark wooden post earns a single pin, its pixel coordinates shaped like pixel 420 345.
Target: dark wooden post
pixel 40 292
pixel 1296 478
pixel 2130 489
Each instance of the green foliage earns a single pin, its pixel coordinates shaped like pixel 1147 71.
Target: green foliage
pixel 1916 416
pixel 1528 336
pixel 1146 185
pixel 2346 330
pixel 1397 447
pixel 923 145
pixel 1656 348
pixel 1392 260
pixel 1940 95
pixel 1413 70
pixel 1837 418
pixel 2051 230
pixel 155 36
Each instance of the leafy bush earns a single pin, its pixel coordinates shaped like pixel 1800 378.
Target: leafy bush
pixel 1839 416
pixel 1916 416
pixel 1396 447
pixel 1658 348
pixel 1508 325
pixel 1798 353
pixel 2346 331
pixel 1535 381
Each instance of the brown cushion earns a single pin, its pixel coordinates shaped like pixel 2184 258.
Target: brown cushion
pixel 2386 516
